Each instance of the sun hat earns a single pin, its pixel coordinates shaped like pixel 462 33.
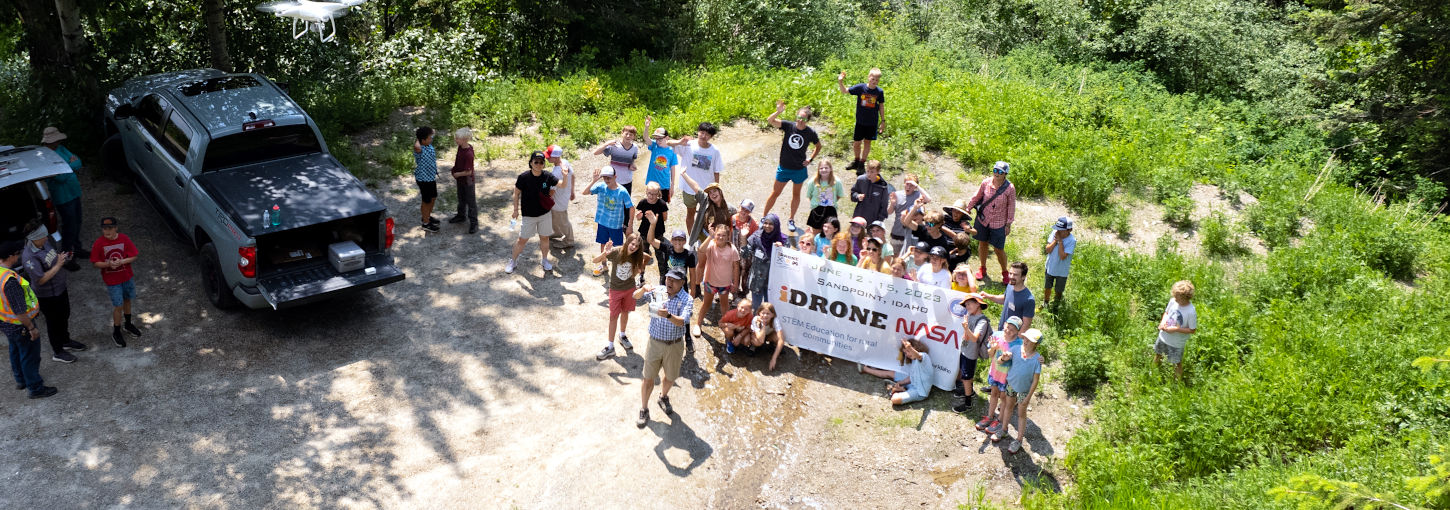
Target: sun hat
pixel 958 206
pixel 678 234
pixel 607 171
pixel 747 205
pixel 1033 335
pixel 1001 168
pixel 977 296
pixel 52 135
pixel 554 151
pixel 1062 224
pixel 1015 321
pixel 713 185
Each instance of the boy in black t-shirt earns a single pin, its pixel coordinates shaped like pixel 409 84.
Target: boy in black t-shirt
pixel 653 203
pixel 676 256
pixel 870 114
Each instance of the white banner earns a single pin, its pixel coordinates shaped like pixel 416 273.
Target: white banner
pixel 858 315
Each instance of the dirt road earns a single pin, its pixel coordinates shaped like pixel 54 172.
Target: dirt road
pixel 464 387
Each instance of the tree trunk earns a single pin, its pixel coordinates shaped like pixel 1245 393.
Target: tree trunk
pixel 42 37
pixel 72 37
pixel 216 33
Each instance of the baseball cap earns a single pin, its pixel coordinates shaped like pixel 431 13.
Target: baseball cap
pixel 921 246
pixel 937 251
pixel 109 221
pixel 1014 321
pixel 1062 224
pixel 536 155
pixel 554 151
pixel 9 248
pixel 878 223
pixel 676 274
pixel 1033 335
pixel 607 171
pixel 679 233
pixel 659 133
pixel 748 205
pixel 1001 168
pixel 859 221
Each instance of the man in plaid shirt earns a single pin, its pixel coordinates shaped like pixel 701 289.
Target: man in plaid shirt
pixel 670 313
pixel 996 205
pixel 611 212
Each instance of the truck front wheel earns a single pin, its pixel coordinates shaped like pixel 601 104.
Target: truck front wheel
pixel 213 281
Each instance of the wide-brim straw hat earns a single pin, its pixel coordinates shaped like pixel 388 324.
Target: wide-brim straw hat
pixel 52 135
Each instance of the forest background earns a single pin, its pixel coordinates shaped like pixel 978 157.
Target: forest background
pixel 1322 373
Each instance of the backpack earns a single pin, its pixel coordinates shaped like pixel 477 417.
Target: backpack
pixel 983 344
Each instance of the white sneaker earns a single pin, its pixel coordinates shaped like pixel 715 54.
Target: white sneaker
pixel 509 268
pixel 548 266
pixel 598 270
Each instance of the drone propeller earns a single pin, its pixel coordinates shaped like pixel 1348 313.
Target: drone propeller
pixel 280 6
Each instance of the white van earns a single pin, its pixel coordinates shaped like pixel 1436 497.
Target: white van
pixel 23 194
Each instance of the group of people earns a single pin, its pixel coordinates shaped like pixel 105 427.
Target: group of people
pixel 34 281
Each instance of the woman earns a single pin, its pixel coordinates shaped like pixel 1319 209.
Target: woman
pixel 625 264
pixel 829 229
pixel 720 265
pixel 765 330
pixel 871 256
pixel 840 250
pixel 758 250
pixel 825 192
pixel 914 383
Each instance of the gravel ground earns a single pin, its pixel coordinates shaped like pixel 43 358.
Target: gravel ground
pixel 466 387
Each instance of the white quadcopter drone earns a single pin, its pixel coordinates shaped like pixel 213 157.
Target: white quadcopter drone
pixel 314 15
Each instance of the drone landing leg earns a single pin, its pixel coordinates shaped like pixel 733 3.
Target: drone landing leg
pixel 295 33
pixel 329 36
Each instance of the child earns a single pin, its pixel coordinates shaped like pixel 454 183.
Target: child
pixel 741 227
pixel 806 245
pixel 676 257
pixel 113 253
pixel 878 231
pixel 735 326
pixel 664 161
pixel 622 153
pixel 563 237
pixel 829 229
pixel 653 203
pixel 935 273
pixel 840 250
pixel 796 136
pixel 824 191
pixel 1060 245
pixel 611 211
pixel 764 330
pixel 425 172
pixel 1179 320
pixel 532 188
pixel 977 333
pixel 463 179
pixel 858 234
pixel 720 263
pixel 898 269
pixel 1001 343
pixel 626 263
pixel 913 384
pixel 871 255
pixel 870 114
pixel 1022 380
pixel 916 257
pixel 963 281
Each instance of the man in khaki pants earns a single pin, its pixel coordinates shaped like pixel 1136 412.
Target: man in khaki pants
pixel 563 238
pixel 670 309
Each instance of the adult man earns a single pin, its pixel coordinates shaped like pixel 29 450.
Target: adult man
pixel 563 237
pixel 18 309
pixel 612 210
pixel 463 179
pixel 902 201
pixel 870 114
pixel 1016 300
pixel 793 159
pixel 65 193
pixel 531 189
pixel 872 194
pixel 996 206
pixel 42 264
pixel 666 349
pixel 703 164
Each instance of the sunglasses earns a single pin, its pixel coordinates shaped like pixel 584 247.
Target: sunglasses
pixel 930 224
pixel 999 172
pixel 869 249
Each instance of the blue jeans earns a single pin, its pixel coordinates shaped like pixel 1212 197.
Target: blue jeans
pixel 70 225
pixel 24 359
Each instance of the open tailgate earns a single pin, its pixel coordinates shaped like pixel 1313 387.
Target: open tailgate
pixel 317 281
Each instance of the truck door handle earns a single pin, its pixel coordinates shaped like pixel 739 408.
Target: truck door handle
pixel 179 182
pixel 149 149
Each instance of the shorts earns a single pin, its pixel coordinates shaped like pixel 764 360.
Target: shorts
pixel 1016 394
pixel 429 190
pixel 542 226
pixel 907 397
pixel 606 234
pixel 797 176
pixel 968 367
pixel 998 385
pixel 660 355
pixel 1174 354
pixel 628 187
pixel 864 132
pixel 820 215
pixel 997 237
pixel 691 200
pixel 122 292
pixel 718 290
pixel 621 301
pixel 1055 283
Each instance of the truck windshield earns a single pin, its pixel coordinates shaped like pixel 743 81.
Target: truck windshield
pixel 260 145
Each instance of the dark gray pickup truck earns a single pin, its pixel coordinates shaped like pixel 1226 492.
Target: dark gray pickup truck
pixel 233 164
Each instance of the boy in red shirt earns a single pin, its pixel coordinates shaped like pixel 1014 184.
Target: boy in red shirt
pixel 113 254
pixel 735 326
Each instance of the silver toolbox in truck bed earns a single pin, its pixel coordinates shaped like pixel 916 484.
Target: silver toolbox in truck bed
pixel 346 256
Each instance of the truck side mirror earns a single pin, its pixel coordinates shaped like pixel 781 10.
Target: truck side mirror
pixel 123 111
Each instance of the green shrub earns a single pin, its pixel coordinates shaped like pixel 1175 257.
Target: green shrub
pixel 1178 211
pixel 1220 237
pixel 1276 222
pixel 1082 364
pixel 1114 219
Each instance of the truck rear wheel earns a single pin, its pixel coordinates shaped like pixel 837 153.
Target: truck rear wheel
pixel 213 281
